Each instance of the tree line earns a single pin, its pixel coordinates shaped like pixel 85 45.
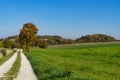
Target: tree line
pixel 28 37
pixel 12 41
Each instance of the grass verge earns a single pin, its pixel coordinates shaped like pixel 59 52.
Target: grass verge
pixel 2 60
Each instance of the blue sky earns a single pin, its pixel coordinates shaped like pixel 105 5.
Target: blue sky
pixel 67 18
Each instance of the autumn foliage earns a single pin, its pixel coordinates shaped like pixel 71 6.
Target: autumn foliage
pixel 27 36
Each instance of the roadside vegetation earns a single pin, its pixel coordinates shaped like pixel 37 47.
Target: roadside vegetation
pixel 77 62
pixel 3 59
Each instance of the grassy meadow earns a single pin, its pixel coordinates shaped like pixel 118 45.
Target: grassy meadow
pixel 77 62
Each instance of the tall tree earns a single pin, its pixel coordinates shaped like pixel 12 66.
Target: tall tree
pixel 27 35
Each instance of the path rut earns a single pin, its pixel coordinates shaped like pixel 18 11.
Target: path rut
pixel 5 67
pixel 26 71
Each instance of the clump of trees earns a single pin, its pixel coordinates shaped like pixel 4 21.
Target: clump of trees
pixel 95 38
pixel 55 40
pixel 6 43
pixel 42 44
pixel 3 51
pixel 51 40
pixel 9 42
pixel 68 41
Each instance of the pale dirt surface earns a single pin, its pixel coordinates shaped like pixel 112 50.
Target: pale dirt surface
pixel 25 72
pixel 8 51
pixel 5 67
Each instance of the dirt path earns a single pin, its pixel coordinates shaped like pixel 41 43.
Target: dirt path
pixel 7 65
pixel 25 72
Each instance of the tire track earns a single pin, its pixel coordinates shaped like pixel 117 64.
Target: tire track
pixel 26 71
pixel 5 67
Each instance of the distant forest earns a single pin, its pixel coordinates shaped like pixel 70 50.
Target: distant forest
pixel 43 41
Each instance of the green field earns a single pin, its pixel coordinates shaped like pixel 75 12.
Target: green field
pixel 77 62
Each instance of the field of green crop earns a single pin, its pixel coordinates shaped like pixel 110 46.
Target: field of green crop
pixel 77 62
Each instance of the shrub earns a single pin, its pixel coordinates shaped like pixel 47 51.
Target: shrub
pixel 42 44
pixel 7 43
pixel 3 51
pixel 1 43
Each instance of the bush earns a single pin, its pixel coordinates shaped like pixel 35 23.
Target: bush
pixel 7 43
pixel 43 44
pixel 1 43
pixel 3 51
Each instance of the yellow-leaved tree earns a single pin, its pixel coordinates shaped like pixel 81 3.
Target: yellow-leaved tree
pixel 27 35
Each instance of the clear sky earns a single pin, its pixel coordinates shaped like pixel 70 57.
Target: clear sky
pixel 67 18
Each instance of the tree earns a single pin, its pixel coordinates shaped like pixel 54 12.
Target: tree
pixel 7 43
pixel 27 35
pixel 1 44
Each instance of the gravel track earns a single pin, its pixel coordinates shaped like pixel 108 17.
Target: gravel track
pixel 5 67
pixel 25 72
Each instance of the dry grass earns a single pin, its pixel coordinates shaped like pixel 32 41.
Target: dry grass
pixel 8 51
pixel 1 55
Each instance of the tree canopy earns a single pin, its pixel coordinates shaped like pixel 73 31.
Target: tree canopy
pixel 27 35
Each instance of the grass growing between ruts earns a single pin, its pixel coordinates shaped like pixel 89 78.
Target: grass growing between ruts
pixel 12 73
pixel 78 62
